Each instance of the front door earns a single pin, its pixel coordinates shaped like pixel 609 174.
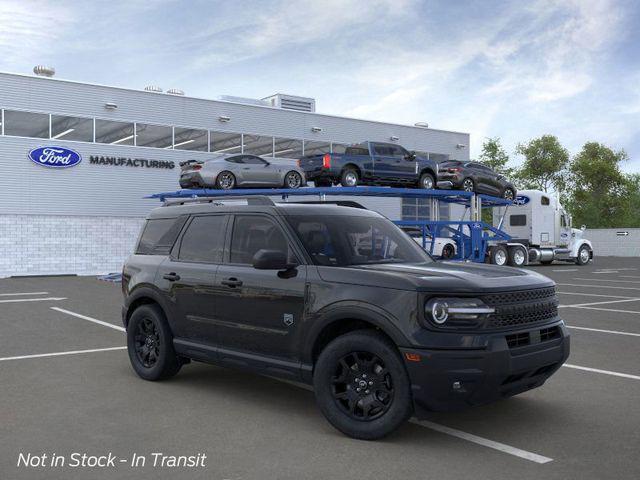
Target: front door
pixel 188 277
pixel 259 311
pixel 258 171
pixel 390 163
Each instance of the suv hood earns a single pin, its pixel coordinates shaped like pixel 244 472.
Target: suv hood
pixel 438 276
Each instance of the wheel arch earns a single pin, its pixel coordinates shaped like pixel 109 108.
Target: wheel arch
pixel 353 166
pixel 430 171
pixel 142 296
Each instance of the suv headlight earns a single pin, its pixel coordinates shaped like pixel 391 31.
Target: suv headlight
pixel 443 310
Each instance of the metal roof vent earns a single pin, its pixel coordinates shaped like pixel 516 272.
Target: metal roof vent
pixel 175 91
pixel 44 71
pixel 153 88
pixel 291 102
pixel 422 124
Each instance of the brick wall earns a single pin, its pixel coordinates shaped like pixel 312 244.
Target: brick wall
pixel 53 245
pixel 607 242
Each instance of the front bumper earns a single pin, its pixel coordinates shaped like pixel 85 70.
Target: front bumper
pixel 448 380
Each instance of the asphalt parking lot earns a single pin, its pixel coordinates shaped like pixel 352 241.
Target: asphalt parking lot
pixel 66 386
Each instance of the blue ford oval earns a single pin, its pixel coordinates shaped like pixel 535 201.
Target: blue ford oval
pixel 55 157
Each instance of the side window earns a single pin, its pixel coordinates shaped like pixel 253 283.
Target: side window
pixel 159 235
pixel 237 159
pixel 563 221
pixel 398 151
pixel 204 239
pixel 381 149
pixel 517 220
pixel 544 201
pixel 252 233
pixel 253 160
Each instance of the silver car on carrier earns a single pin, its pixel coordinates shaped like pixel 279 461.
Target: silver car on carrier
pixel 241 170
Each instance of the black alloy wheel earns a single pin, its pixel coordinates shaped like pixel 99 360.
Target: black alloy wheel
pixel 362 386
pixel 147 343
pixel 508 194
pixel 293 180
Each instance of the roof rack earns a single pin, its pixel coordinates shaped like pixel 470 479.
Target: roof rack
pixel 339 203
pixel 251 200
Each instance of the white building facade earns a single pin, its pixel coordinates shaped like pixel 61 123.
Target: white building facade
pixel 84 219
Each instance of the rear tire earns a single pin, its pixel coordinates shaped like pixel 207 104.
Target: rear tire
pixel 225 180
pixel 362 386
pixel 448 251
pixel 499 255
pixel 349 177
pixel 322 183
pixel 508 194
pixel 468 185
pixel 150 344
pixel 517 256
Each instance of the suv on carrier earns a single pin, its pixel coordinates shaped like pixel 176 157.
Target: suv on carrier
pixel 339 298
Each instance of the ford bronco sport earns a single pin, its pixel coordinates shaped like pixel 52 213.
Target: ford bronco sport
pixel 340 298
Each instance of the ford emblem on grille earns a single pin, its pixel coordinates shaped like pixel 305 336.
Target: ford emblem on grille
pixel 55 157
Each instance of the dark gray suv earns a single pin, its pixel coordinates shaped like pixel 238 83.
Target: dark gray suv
pixel 339 298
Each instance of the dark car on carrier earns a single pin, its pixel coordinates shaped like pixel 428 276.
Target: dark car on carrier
pixel 371 163
pixel 474 177
pixel 339 298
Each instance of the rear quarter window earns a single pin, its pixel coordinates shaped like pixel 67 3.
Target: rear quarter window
pixel 159 235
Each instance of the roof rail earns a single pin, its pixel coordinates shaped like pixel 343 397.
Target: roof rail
pixel 250 199
pixel 339 203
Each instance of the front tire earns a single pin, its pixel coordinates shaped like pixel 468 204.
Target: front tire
pixel 584 255
pixel 468 185
pixel 427 182
pixel 508 194
pixel 293 180
pixel 362 386
pixel 349 178
pixel 225 180
pixel 150 344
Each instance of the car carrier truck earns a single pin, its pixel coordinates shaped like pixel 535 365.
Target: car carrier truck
pixel 540 231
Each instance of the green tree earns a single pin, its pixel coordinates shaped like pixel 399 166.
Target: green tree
pixel 600 194
pixel 545 164
pixel 494 156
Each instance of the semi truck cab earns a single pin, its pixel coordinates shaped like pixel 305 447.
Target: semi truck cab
pixel 538 223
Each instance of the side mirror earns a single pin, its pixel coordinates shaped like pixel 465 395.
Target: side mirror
pixel 583 228
pixel 271 260
pixel 410 156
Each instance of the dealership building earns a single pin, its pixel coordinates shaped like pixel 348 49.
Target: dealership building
pixel 84 219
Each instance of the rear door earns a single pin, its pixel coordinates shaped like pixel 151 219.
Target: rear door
pixel 384 160
pixel 188 276
pixel 258 311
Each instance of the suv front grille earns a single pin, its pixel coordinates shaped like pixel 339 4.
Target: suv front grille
pixel 522 307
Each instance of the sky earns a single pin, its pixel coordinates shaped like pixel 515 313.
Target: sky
pixel 514 70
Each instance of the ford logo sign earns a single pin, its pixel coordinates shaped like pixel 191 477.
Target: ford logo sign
pixel 55 157
pixel 521 200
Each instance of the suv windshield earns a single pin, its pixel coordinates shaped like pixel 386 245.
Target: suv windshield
pixel 341 241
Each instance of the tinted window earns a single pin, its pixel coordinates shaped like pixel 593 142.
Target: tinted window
pixel 26 124
pixel 159 236
pixel 339 241
pixel 226 142
pixel 72 128
pixel 518 220
pixel 338 148
pixel 238 159
pixel 156 136
pixel 115 133
pixel 252 233
pixel 287 148
pixel 382 150
pixel 190 139
pixel 252 160
pixel 258 145
pixel 316 148
pixel 357 151
pixel 544 201
pixel 204 239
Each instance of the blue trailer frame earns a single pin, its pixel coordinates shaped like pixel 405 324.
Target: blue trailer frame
pixel 472 237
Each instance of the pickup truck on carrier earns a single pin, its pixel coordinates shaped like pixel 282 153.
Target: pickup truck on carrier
pixel 371 163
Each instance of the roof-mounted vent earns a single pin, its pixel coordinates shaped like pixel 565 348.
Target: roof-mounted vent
pixel 44 71
pixel 292 102
pixel 153 88
pixel 175 91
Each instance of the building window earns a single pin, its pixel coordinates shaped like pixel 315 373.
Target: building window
pixel 26 124
pixel 257 145
pixel 190 139
pixel 71 128
pixel 226 142
pixel 287 148
pixel 115 133
pixel 316 148
pixel 157 136
pixel 438 157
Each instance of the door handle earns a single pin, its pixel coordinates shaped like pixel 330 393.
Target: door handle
pixel 172 277
pixel 232 282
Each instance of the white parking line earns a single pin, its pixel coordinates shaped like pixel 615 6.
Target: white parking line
pixel 23 293
pixel 592 294
pixel 47 299
pixel 599 303
pixel 533 457
pixel 616 332
pixel 89 319
pixel 597 286
pixel 606 372
pixel 566 270
pixel 629 276
pixel 607 280
pixel 606 271
pixel 608 309
pixel 58 354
